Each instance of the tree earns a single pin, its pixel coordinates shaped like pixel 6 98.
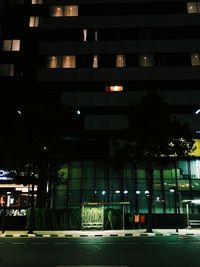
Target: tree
pixel 152 135
pixel 30 135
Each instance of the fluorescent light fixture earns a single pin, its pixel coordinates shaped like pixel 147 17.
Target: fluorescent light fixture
pixel 197 111
pixel 196 201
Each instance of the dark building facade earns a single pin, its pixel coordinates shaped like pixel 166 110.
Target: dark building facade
pixel 96 57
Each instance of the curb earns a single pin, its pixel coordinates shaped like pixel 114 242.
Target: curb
pixel 94 235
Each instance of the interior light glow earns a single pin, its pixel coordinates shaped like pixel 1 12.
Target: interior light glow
pixel 117 191
pixel 137 192
pixel 196 201
pixel 125 191
pixel 197 111
pixel 103 192
pixel 25 189
pixel 114 88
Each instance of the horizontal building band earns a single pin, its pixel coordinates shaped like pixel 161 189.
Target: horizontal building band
pixel 140 46
pixel 119 21
pixel 119 75
pixel 65 2
pixel 118 34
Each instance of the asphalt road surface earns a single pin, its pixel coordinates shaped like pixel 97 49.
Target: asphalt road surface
pixel 164 251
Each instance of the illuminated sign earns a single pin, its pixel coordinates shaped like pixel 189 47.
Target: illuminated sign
pixel 4 176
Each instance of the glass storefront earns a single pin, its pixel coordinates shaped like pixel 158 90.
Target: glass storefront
pixel 95 181
pixel 14 198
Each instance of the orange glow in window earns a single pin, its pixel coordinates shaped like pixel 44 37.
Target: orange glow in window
pixel 114 88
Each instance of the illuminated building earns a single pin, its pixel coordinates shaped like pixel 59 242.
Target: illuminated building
pixel 99 56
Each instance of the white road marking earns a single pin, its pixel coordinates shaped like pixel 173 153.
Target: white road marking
pixel 21 243
pixel 152 243
pixel 174 243
pixel 39 243
pixel 62 243
pixel 102 243
pixel 106 243
pixel 86 243
pixel 130 243
pixel 92 266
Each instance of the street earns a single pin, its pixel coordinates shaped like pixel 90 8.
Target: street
pixel 100 251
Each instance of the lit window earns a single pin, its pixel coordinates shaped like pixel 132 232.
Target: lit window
pixel 70 11
pixel 57 11
pixel 54 62
pixel 114 88
pixel 95 61
pixel 69 62
pixel 96 35
pixel 120 61
pixel 34 22
pixel 34 2
pixel 16 45
pixel 85 35
pixel 146 60
pixel 61 62
pixel 7 45
pixel 67 11
pixel 192 7
pixel 11 45
pixel 7 70
pixel 195 59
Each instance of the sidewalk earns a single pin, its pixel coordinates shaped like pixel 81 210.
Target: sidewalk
pixel 100 233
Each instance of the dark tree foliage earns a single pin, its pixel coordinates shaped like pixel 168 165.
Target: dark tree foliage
pixel 33 124
pixel 153 134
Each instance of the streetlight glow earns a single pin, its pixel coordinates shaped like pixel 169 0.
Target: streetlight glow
pixel 197 111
